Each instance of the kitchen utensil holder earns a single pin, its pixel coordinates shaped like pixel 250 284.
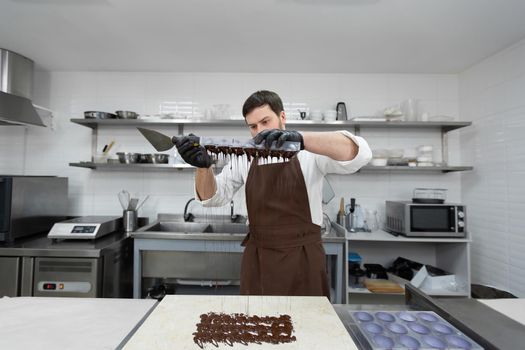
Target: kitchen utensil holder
pixel 130 220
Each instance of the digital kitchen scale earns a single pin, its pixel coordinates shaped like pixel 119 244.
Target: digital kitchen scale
pixel 85 227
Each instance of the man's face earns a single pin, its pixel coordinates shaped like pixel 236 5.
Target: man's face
pixel 263 118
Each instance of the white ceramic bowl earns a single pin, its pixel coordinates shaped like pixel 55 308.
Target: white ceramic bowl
pixel 378 161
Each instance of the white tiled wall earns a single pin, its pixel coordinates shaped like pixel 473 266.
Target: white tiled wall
pixel 492 95
pixel 69 94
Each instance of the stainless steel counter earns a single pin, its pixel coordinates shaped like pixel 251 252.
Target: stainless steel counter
pixel 329 238
pixel 40 245
pixel 160 252
pixel 39 266
pixel 336 233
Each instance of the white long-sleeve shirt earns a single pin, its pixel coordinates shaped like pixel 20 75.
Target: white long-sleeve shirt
pixel 314 167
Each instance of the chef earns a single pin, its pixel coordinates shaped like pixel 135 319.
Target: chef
pixel 283 252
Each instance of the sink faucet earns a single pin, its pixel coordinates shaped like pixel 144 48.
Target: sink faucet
pixel 233 217
pixel 188 216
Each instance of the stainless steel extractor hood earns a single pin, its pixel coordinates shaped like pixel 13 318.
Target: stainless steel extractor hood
pixel 16 85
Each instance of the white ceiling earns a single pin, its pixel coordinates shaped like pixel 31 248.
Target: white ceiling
pixel 381 36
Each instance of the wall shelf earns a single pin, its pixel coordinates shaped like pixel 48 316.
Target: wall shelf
pixel 383 236
pixel 443 126
pixel 139 166
pixel 131 167
pixel 426 169
pixel 449 254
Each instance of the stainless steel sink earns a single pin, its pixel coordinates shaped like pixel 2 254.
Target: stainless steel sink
pixel 197 227
pixel 187 227
pixel 226 228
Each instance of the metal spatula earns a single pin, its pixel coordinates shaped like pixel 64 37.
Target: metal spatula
pixel 159 141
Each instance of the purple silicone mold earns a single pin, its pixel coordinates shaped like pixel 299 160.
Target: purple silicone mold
pixel 405 316
pixel 434 342
pixel 364 316
pixel 442 328
pixel 383 341
pixel 419 328
pixel 409 342
pixel 458 342
pixel 413 330
pixel 373 328
pixel 385 317
pixel 397 328
pixel 425 316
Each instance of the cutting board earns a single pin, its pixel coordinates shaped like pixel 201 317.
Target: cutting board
pixel 383 286
pixel 171 324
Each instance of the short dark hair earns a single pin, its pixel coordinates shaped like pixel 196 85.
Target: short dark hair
pixel 262 98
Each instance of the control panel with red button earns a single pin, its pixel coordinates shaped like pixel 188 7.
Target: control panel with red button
pixel 63 286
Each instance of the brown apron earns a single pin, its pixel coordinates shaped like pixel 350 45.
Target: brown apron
pixel 283 252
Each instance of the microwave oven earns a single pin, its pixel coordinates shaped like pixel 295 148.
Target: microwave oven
pixel 30 204
pixel 426 220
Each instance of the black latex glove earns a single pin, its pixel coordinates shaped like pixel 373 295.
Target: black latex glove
pixel 192 152
pixel 281 136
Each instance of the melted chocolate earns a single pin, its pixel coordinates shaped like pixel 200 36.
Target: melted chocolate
pixel 224 149
pixel 215 328
pixel 251 152
pixel 289 154
pixel 263 153
pixel 238 151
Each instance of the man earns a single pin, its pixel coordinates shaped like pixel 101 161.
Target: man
pixel 283 252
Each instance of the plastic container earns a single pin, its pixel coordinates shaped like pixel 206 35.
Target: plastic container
pixel 425 155
pixel 429 195
pixel 100 158
pixel 410 109
pixel 354 259
pixel 356 276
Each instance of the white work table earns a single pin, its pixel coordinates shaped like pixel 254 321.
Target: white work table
pixel 68 323
pixel 512 308
pixel 88 323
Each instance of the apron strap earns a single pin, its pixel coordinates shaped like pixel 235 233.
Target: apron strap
pixel 283 236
